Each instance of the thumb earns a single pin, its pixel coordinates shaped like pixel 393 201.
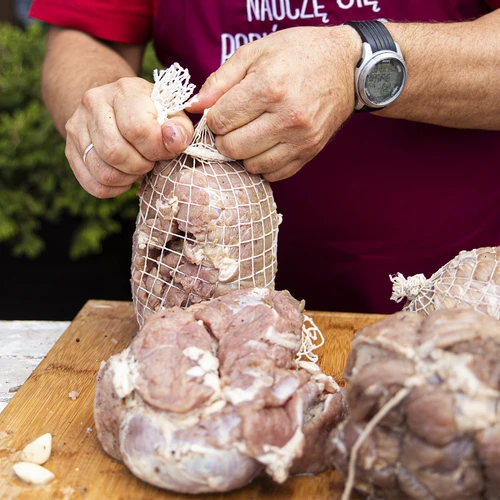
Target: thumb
pixel 232 72
pixel 177 133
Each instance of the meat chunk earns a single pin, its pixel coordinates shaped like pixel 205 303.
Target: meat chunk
pixel 423 392
pixel 203 229
pixel 208 397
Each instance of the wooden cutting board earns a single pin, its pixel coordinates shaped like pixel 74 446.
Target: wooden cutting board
pixel 82 469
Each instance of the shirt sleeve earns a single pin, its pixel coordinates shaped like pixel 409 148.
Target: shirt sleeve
pixel 125 21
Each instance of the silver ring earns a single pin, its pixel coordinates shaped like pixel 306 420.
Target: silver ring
pixel 86 152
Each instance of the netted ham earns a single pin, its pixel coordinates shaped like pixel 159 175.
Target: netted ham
pixel 471 279
pixel 424 394
pixel 205 225
pixel 208 397
pixel 203 229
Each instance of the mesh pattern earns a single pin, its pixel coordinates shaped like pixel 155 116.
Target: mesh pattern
pixel 202 230
pixel 205 225
pixel 471 280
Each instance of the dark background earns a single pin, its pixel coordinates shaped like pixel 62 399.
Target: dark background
pixel 54 287
pixel 7 11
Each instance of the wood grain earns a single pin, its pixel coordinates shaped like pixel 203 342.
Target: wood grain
pixel 82 469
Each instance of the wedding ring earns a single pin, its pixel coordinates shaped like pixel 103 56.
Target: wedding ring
pixel 86 152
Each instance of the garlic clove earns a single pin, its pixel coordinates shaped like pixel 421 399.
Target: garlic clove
pixel 38 451
pixel 33 473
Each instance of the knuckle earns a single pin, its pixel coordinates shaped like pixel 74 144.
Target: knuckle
pixel 99 191
pixel 254 167
pixel 122 83
pixel 317 141
pixel 71 127
pixel 123 86
pixel 227 147
pixel 116 156
pixel 112 154
pixel 120 162
pixel 139 167
pixel 299 118
pixel 243 54
pixel 127 88
pixel 314 142
pixel 91 98
pixel 212 79
pixel 218 123
pixel 136 132
pixel 292 168
pixel 306 148
pixel 276 91
pixel 108 176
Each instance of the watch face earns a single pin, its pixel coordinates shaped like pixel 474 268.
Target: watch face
pixel 385 81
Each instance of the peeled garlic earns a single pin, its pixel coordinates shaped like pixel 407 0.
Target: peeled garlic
pixel 38 451
pixel 33 473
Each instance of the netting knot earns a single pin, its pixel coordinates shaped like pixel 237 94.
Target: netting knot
pixel 171 91
pixel 407 287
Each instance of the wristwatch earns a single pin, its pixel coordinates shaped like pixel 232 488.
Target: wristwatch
pixel 381 73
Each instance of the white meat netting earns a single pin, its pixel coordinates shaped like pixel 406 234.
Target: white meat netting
pixel 312 339
pixel 471 279
pixel 205 225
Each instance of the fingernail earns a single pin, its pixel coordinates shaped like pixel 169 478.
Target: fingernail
pixel 173 134
pixel 193 100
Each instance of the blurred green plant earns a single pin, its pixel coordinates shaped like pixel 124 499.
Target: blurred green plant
pixel 36 182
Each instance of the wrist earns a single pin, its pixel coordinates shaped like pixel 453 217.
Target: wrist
pixel 345 49
pixel 352 44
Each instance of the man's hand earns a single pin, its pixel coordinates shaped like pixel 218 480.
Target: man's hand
pixel 94 96
pixel 120 120
pixel 278 101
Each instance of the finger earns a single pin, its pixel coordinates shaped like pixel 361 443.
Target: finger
pixel 113 148
pixel 83 176
pixel 277 163
pixel 105 174
pixel 284 173
pixel 298 130
pixel 136 118
pixel 177 132
pixel 252 139
pixel 218 83
pixel 242 104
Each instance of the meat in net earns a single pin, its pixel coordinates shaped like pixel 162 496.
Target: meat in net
pixel 205 225
pixel 424 394
pixel 203 229
pixel 208 397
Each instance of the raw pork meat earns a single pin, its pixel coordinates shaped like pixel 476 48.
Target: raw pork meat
pixel 203 229
pixel 425 390
pixel 208 397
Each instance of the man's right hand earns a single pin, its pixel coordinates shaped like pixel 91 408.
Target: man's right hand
pixel 120 120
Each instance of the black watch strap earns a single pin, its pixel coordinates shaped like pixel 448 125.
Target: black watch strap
pixel 375 34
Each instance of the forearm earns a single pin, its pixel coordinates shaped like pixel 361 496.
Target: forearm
pixel 454 70
pixel 63 80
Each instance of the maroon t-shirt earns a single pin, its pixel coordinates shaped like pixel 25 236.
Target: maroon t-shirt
pixel 384 196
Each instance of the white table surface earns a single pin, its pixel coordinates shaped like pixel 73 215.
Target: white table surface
pixel 23 344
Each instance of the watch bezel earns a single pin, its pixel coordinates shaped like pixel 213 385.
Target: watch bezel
pixel 368 61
